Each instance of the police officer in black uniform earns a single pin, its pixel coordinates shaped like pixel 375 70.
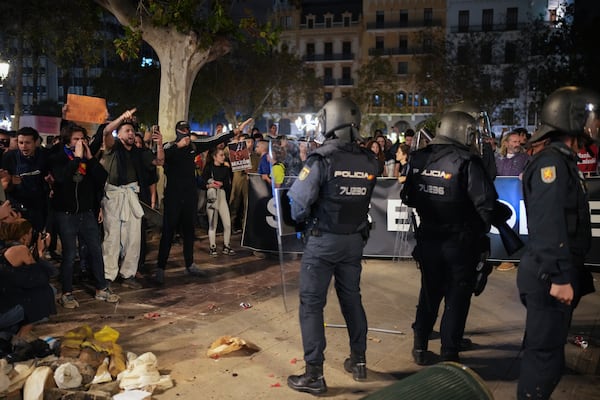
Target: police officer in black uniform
pixel 552 277
pixel 332 195
pixel 454 198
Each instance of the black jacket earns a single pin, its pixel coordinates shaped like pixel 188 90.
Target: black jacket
pixel 73 192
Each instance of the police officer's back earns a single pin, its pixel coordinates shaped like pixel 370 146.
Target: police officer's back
pixel 454 198
pixel 332 196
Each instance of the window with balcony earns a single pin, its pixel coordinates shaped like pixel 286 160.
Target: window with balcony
pixel 347 49
pixel 427 44
pixel 508 116
pixel 486 53
pixel 310 22
pixel 400 99
pixel 508 83
pixel 487 19
pixel 346 76
pixel 463 21
pixel 328 22
pixel 403 18
pixel 328 50
pixel 403 44
pixel 428 16
pixel 462 54
pixel 377 100
pixel 379 19
pixel 310 51
pixel 327 96
pixel 328 76
pixel 285 21
pixel 402 68
pixel 510 52
pixel 346 20
pixel 512 18
pixel 379 43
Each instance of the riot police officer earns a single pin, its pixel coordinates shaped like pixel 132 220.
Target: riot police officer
pixel 552 277
pixel 454 198
pixel 332 196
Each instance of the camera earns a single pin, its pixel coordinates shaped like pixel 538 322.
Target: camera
pixel 18 207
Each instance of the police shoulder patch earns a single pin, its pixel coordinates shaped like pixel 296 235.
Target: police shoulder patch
pixel 548 174
pixel 304 173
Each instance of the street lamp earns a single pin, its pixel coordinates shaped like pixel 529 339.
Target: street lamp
pixel 4 67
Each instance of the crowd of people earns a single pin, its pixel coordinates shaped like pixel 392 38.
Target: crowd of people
pixel 91 194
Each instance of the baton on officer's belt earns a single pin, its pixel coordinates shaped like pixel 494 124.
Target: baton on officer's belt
pixel 326 325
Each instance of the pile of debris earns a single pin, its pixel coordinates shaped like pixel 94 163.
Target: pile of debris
pixel 85 362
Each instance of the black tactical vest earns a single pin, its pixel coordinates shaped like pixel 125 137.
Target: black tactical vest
pixel 351 175
pixel 439 188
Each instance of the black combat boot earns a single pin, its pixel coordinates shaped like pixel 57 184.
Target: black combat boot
pixel 419 351
pixel 357 364
pixel 312 381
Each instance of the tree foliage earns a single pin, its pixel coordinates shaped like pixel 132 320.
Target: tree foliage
pixel 243 83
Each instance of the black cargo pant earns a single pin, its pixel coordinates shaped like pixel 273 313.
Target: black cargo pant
pixel 546 327
pixel 326 256
pixel 448 262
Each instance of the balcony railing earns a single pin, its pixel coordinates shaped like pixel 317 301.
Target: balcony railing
pixel 329 81
pixel 345 82
pixel 395 51
pixel 328 57
pixel 408 24
pixel 337 24
pixel 488 28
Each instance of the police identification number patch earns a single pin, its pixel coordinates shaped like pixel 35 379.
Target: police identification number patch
pixel 548 174
pixel 304 173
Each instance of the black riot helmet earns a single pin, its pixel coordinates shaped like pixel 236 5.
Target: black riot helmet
pixel 483 125
pixel 456 127
pixel 571 111
pixel 339 118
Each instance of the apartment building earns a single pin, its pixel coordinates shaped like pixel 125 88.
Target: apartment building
pixel 489 31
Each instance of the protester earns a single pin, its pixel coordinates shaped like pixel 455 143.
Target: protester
pixel 217 175
pixel 77 178
pixel 121 206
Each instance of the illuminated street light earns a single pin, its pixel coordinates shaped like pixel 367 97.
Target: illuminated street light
pixel 4 67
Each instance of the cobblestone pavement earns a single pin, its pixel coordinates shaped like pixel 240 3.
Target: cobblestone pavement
pixel 179 320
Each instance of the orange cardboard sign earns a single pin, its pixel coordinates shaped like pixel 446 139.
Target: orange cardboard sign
pixel 86 109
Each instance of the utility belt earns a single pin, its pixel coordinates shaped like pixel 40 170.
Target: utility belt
pixel 312 229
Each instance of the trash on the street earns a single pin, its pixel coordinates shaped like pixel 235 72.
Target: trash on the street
pixel 152 315
pixel 67 376
pixel 102 374
pixel 228 344
pixel 133 395
pixel 245 306
pixel 579 341
pixel 142 372
pixel 37 382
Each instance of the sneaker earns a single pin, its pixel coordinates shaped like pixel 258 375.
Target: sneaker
pixel 68 301
pixel 506 266
pixel 107 295
pixel 227 251
pixel 131 283
pixel 194 270
pixel 213 251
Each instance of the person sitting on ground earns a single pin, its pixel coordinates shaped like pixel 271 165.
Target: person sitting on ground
pixel 25 275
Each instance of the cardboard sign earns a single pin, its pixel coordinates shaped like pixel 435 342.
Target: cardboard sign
pixel 86 109
pixel 239 156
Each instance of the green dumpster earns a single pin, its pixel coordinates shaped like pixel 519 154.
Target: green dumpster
pixel 444 381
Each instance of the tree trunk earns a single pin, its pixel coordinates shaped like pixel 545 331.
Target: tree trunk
pixel 180 61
